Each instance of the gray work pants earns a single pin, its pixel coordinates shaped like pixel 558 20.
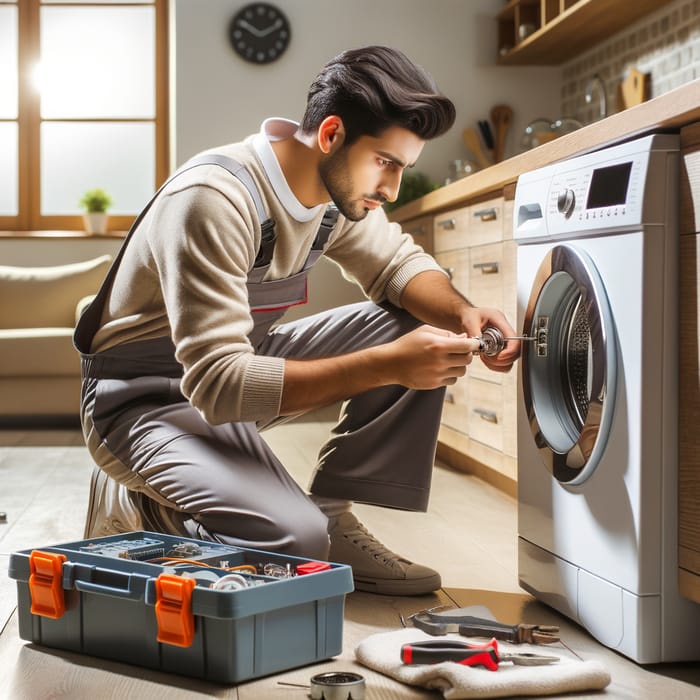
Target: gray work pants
pixel 224 483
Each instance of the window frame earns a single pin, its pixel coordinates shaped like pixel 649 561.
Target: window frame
pixel 29 217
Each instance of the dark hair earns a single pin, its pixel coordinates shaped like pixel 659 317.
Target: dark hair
pixel 374 88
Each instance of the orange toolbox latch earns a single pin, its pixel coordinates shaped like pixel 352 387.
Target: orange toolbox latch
pixel 45 584
pixel 174 610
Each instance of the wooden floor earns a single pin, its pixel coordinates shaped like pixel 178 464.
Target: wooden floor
pixel 469 534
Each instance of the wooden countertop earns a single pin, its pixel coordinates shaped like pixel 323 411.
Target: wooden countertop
pixel 668 112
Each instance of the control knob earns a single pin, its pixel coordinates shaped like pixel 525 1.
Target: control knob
pixel 566 201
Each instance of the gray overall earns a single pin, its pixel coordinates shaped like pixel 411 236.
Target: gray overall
pixel 223 482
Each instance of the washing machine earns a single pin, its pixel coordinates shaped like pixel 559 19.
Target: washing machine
pixel 597 286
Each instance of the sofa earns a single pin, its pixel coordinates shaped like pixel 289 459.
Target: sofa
pixel 39 367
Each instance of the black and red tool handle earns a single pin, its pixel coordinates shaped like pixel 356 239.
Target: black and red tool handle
pixel 436 651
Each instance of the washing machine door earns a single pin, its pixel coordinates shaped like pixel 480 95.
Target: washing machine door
pixel 569 371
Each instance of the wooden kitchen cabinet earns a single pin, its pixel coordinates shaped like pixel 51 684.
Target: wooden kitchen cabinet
pixel 421 228
pixel 478 431
pixel 550 32
pixel 689 385
pixel 492 396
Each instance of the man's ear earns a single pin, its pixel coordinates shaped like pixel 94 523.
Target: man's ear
pixel 331 133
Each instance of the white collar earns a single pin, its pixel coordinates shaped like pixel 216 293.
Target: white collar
pixel 276 129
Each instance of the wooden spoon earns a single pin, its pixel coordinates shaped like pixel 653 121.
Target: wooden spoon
pixel 473 143
pixel 502 118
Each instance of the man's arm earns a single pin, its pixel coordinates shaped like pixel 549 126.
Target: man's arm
pixel 425 358
pixel 430 356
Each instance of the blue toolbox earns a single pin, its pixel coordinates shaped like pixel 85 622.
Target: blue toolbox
pixel 186 606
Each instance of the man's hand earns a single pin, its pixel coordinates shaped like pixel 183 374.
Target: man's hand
pixel 428 357
pixel 475 319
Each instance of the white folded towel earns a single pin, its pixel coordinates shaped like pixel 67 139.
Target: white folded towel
pixel 382 652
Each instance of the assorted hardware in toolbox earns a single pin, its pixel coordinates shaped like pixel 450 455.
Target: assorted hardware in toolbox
pixel 186 606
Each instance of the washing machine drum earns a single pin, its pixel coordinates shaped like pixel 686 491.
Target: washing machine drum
pixel 569 371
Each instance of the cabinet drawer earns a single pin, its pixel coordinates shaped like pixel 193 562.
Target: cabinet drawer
pixel 454 411
pixel 486 222
pixel 456 264
pixel 485 412
pixel 486 275
pixel 508 208
pixel 451 230
pixel 492 283
pixel 421 229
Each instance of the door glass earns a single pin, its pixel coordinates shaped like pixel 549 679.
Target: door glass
pixel 116 156
pixel 8 169
pixel 569 375
pixel 8 62
pixel 97 62
pixel 578 364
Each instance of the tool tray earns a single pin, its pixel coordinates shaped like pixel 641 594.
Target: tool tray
pixel 147 598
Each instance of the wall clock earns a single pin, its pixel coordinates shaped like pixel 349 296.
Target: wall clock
pixel 259 32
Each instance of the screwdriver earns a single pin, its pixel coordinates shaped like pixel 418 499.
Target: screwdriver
pixel 492 341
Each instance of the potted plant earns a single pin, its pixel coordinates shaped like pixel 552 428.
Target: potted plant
pixel 95 203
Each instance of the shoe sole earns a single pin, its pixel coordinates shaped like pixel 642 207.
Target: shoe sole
pixel 408 587
pixel 93 504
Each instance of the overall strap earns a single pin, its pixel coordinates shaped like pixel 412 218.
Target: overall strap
pixel 328 222
pixel 90 319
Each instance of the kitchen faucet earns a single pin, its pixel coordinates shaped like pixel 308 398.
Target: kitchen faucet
pixel 597 81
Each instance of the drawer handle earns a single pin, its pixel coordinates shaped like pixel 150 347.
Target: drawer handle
pixel 449 397
pixel 490 214
pixel 487 268
pixel 448 224
pixel 419 231
pixel 488 416
pixel 450 272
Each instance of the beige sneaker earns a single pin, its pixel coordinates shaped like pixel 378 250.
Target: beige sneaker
pixel 375 568
pixel 110 511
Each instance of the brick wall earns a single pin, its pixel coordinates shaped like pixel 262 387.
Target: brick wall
pixel 664 44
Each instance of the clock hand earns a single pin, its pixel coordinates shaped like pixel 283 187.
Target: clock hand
pixel 252 29
pixel 271 28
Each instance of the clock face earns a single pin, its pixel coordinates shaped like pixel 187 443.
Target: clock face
pixel 259 32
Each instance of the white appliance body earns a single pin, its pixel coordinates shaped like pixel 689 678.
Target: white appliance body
pixel 597 247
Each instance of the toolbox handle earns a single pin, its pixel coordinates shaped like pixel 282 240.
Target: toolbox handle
pixel 114 591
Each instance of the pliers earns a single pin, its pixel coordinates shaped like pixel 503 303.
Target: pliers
pixel 436 650
pixel 457 621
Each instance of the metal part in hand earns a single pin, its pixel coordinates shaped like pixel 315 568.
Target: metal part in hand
pixel 492 341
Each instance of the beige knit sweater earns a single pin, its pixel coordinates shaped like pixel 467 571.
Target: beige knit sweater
pixel 184 275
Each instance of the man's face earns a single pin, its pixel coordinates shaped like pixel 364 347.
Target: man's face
pixel 361 177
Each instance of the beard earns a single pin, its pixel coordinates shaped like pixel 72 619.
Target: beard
pixel 335 176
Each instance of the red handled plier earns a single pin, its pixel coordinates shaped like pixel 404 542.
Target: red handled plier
pixel 436 650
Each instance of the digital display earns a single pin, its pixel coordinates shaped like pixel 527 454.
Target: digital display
pixel 609 186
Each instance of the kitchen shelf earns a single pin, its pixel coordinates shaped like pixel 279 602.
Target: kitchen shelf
pixel 560 30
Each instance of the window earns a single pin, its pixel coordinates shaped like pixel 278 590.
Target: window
pixel 83 104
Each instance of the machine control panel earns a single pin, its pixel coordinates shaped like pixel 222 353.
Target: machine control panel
pixel 599 191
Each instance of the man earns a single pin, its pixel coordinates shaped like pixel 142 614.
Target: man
pixel 185 363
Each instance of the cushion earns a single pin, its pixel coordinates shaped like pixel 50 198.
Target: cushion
pixel 38 352
pixel 32 297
